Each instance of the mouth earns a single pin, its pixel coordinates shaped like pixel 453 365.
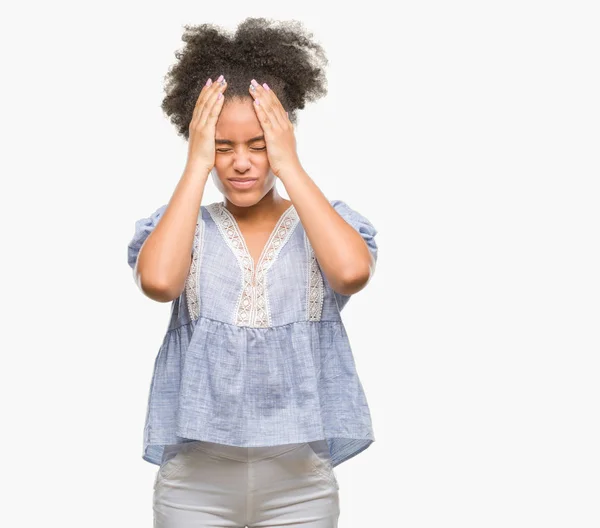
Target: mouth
pixel 242 183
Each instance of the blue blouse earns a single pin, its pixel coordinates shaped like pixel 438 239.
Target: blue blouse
pixel 255 362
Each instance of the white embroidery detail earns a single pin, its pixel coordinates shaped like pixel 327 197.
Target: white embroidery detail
pixel 252 307
pixel 316 288
pixel 193 279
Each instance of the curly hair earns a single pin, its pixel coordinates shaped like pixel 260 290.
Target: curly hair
pixel 282 54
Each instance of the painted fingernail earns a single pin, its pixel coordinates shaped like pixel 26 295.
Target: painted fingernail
pixel 220 95
pixel 220 78
pixel 253 82
pixel 266 86
pixel 252 89
pixel 209 82
pixel 257 102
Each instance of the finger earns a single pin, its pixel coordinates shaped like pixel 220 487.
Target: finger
pixel 213 115
pixel 204 109
pixel 260 113
pixel 213 99
pixel 201 97
pixel 278 109
pixel 274 106
pixel 274 99
pixel 264 97
pixel 208 88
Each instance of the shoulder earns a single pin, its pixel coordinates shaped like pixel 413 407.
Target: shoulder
pixel 359 222
pixel 352 216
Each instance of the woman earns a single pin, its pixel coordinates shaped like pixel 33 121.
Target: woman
pixel 254 397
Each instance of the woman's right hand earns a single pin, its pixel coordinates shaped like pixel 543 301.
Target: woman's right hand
pixel 202 129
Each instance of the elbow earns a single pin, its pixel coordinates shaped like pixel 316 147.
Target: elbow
pixel 157 290
pixel 354 278
pixel 159 293
pixel 352 282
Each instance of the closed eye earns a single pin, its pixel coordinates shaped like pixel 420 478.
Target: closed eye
pixel 252 148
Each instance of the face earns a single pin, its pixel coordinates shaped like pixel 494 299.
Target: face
pixel 239 155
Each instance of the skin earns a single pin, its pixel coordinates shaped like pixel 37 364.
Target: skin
pixel 164 260
pixel 239 123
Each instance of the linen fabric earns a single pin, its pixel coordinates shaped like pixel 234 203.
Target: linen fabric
pixel 255 354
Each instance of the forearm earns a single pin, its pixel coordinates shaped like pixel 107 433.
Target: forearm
pixel 164 260
pixel 340 250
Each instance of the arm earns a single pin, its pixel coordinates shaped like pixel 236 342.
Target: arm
pixel 343 255
pixel 164 259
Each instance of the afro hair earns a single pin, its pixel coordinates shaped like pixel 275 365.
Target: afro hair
pixel 282 54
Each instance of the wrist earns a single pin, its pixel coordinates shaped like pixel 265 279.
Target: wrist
pixel 291 171
pixel 197 170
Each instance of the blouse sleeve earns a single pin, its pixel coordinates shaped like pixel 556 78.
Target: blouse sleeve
pixel 143 228
pixel 366 229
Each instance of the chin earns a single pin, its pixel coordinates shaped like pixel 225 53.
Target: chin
pixel 242 199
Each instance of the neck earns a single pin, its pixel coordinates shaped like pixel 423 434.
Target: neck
pixel 270 205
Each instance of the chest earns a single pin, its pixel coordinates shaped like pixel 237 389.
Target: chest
pixel 259 276
pixel 256 240
pixel 255 247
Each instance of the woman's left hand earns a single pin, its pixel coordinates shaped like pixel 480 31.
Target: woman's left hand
pixel 278 129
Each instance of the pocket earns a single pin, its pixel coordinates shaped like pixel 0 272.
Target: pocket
pixel 321 461
pixel 174 465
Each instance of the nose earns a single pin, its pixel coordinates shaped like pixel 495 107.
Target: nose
pixel 241 162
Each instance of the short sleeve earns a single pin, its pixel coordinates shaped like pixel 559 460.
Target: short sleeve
pixel 366 229
pixel 143 228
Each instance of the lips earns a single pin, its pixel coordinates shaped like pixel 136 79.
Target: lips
pixel 243 183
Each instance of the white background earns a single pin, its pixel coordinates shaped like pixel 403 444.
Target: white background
pixel 467 132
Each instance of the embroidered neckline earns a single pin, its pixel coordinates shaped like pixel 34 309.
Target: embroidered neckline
pixel 253 305
pixel 273 236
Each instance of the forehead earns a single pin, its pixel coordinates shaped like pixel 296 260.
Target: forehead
pixel 237 121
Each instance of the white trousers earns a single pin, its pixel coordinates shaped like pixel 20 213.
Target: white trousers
pixel 209 485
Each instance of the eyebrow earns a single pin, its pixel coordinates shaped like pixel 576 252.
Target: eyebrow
pixel 229 142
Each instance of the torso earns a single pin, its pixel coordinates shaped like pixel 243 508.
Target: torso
pixel 257 236
pixel 256 240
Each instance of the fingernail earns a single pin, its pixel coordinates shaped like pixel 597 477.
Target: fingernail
pixel 209 82
pixel 266 86
pixel 220 95
pixel 257 101
pixel 253 82
pixel 220 78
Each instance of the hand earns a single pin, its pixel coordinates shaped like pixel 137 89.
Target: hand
pixel 278 129
pixel 202 129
